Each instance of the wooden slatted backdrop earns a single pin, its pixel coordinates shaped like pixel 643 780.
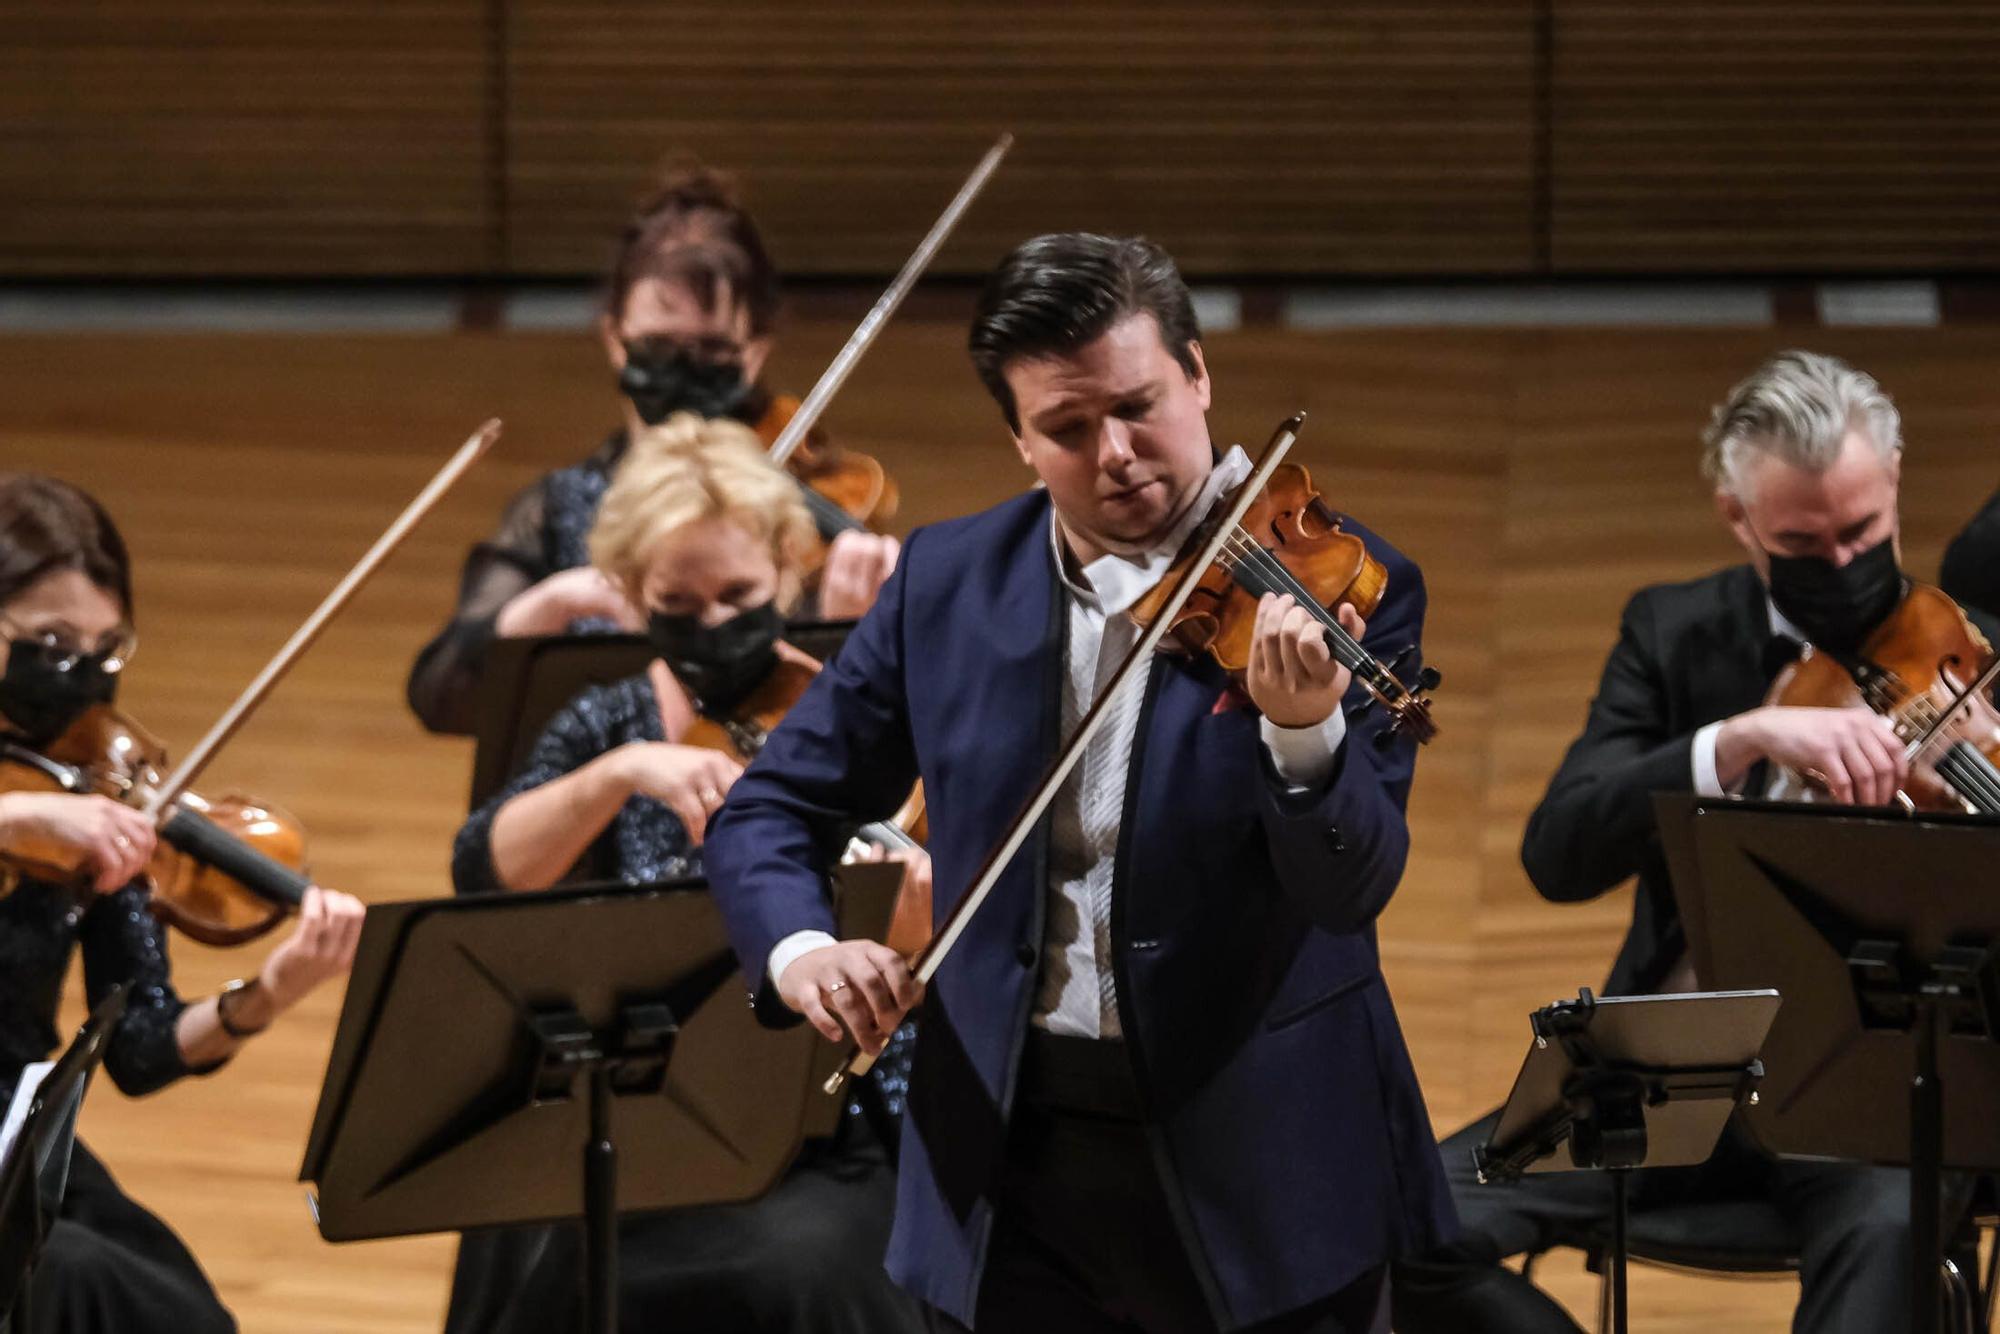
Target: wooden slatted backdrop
pixel 245 137
pixel 1538 477
pixel 1775 135
pixel 1287 137
pixel 1278 136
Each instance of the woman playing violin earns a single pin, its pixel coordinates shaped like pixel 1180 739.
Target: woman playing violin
pixel 687 327
pixel 705 540
pixel 66 622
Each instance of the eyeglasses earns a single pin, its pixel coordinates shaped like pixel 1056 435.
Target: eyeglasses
pixel 704 350
pixel 59 652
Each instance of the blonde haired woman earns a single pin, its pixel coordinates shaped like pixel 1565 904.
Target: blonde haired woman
pixel 705 539
pixel 689 321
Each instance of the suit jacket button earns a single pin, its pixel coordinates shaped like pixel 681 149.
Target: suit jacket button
pixel 1025 955
pixel 1334 842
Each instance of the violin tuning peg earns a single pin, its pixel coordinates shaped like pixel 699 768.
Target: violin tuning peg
pixel 1427 677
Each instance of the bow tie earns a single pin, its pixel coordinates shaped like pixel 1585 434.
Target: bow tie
pixel 1780 651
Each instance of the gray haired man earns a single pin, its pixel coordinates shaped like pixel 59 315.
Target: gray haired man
pixel 1805 456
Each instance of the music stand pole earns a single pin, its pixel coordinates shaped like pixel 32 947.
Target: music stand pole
pixel 603 1029
pixel 1884 935
pixel 600 1207
pixel 1620 1212
pixel 1626 1082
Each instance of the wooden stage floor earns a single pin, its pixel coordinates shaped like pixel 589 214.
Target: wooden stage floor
pixel 1539 477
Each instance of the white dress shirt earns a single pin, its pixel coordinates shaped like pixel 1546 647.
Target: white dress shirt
pixel 1707 783
pixel 1077 997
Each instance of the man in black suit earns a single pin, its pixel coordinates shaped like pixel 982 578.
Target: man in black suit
pixel 1971 569
pixel 1805 456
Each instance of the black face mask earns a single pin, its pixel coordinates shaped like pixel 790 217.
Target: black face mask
pixel 40 701
pixel 662 379
pixel 719 664
pixel 1838 607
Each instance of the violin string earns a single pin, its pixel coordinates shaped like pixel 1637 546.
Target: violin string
pixel 1962 766
pixel 1275 578
pixel 1260 572
pixel 1972 775
pixel 827 513
pixel 1964 773
pixel 1988 785
pixel 1969 783
pixel 1969 772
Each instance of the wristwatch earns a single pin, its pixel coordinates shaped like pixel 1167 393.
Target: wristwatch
pixel 226 1001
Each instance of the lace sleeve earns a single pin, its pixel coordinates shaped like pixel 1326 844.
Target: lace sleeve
pixel 580 731
pixel 445 677
pixel 124 942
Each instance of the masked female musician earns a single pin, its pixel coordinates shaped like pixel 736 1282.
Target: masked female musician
pixel 704 538
pixel 66 620
pixel 687 327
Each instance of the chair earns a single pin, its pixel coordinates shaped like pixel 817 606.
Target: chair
pixel 1743 1239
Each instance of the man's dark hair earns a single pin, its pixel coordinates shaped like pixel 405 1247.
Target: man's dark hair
pixel 1058 292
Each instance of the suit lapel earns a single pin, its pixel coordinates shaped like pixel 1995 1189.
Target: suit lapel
pixel 1730 668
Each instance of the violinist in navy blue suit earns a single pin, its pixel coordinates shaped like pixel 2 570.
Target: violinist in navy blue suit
pixel 1159 1084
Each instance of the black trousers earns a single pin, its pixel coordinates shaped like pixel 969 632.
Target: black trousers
pixel 805 1258
pixel 110 1267
pixel 1853 1221
pixel 1084 1240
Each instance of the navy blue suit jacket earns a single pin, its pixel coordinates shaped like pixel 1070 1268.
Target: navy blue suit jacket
pixel 1285 1116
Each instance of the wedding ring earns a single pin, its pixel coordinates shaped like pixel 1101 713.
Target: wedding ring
pixel 835 987
pixel 122 841
pixel 710 797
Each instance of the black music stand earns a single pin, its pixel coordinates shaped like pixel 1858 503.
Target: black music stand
pixel 1627 1082
pixel 35 1173
pixel 522 682
pixel 529 1058
pixel 1881 930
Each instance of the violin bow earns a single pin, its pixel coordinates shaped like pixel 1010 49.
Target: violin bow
pixel 932 956
pixel 864 334
pixel 302 639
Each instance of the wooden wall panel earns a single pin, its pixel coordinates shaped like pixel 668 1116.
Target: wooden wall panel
pixel 1278 136
pixel 1538 477
pixel 1842 135
pixel 245 137
pixel 1273 137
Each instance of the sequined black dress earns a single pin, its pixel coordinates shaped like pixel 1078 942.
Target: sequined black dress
pixel 807 1256
pixel 109 1264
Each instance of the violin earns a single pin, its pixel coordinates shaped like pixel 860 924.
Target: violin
pixel 1292 516
pixel 224 872
pixel 1291 541
pixel 844 489
pixel 1928 669
pixel 741 734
